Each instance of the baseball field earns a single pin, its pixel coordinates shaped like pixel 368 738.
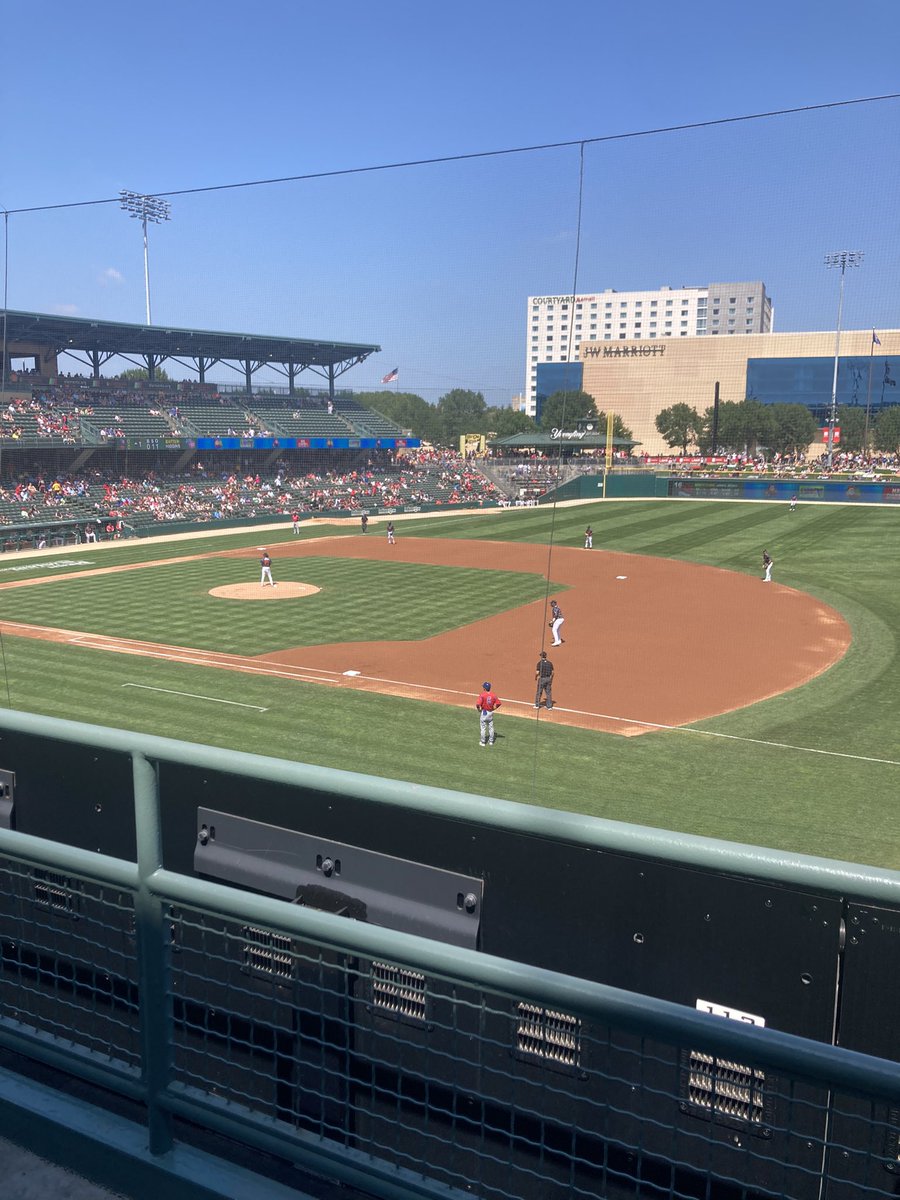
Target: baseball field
pixel 688 694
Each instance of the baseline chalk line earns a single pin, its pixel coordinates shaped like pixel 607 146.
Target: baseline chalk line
pixel 145 687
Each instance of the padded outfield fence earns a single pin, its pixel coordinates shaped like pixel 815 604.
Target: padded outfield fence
pixel 315 1025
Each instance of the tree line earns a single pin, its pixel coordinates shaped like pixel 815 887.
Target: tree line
pixel 462 411
pixel 748 426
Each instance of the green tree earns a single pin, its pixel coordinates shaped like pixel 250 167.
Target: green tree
pixel 620 429
pixel 887 430
pixel 140 373
pixel 563 410
pixel 504 422
pixel 459 411
pixel 405 409
pixel 851 420
pixel 743 426
pixel 679 425
pixel 791 428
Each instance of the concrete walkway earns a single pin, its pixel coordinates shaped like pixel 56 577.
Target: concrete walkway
pixel 26 1177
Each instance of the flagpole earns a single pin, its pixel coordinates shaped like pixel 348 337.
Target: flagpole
pixel 865 445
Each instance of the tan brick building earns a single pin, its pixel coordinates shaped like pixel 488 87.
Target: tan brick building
pixel 637 379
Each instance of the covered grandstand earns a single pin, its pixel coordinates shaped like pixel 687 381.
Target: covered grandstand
pixel 87 413
pixel 43 337
pixel 88 448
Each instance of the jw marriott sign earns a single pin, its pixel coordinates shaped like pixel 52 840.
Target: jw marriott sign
pixel 643 351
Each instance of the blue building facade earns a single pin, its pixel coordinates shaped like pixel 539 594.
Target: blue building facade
pixel 556 377
pixel 862 380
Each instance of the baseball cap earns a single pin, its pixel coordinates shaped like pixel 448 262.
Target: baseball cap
pixel 486 686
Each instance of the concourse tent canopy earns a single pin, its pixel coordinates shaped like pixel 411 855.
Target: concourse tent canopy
pixel 569 441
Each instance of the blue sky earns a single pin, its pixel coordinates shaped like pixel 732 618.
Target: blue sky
pixel 434 263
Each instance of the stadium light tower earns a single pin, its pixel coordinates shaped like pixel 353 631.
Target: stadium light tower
pixel 842 259
pixel 146 209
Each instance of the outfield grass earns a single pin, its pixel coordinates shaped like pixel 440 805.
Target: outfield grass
pixel 816 770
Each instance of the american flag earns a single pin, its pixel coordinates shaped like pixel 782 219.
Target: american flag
pixel 391 375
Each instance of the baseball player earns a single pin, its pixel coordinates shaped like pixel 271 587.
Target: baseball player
pixel 295 521
pixel 793 502
pixel 390 533
pixel 487 704
pixel 266 576
pixel 364 522
pixel 543 674
pixel 589 538
pixel 556 620
pixel 767 566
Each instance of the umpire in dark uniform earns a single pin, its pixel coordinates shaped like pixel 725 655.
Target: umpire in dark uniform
pixel 543 673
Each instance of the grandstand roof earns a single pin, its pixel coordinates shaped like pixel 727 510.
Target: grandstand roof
pixel 85 335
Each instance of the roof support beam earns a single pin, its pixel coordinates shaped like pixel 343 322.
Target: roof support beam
pixel 151 362
pixel 93 358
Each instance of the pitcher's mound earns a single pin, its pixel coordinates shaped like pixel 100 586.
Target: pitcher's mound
pixel 255 591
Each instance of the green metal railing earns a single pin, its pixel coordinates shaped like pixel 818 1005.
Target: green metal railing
pixel 403 1066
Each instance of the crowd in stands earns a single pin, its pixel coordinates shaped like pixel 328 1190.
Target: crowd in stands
pixel 57 408
pixel 782 466
pixel 205 494
pixel 862 465
pixel 35 417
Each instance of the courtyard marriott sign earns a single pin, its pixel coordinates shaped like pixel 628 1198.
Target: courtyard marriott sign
pixel 570 299
pixel 642 351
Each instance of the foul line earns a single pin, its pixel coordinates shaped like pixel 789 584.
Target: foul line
pixel 732 737
pixel 145 687
pixel 205 662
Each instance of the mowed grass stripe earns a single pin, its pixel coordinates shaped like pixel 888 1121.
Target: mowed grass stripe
pixel 360 600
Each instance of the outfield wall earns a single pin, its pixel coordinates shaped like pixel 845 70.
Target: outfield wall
pixel 640 484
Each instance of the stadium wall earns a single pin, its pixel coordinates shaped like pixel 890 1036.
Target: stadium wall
pixel 618 487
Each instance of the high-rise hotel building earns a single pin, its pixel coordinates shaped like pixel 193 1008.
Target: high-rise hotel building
pixel 557 325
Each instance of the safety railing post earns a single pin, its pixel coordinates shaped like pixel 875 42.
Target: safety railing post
pixel 153 956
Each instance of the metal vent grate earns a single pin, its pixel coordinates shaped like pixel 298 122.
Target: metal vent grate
pixel 54 891
pixel 727 1088
pixel 548 1034
pixel 398 990
pixel 268 953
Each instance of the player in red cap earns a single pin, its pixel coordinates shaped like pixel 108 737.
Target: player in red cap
pixel 487 704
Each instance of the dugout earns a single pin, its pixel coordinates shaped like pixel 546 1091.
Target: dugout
pixel 374 1053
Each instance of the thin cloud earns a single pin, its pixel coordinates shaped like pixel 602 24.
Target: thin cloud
pixel 111 275
pixel 66 310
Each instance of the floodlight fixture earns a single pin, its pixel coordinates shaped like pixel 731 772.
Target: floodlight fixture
pixel 841 259
pixel 152 209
